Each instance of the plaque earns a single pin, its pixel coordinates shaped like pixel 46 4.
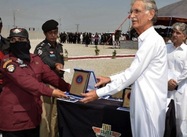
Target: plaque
pixel 126 97
pixel 83 81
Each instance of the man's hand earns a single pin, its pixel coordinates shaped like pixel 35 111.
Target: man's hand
pixel 59 94
pixel 88 97
pixel 172 84
pixel 102 81
pixel 59 66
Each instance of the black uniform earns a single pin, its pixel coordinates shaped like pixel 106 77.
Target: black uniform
pixel 50 54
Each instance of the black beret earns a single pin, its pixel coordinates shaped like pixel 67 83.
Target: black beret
pixel 49 25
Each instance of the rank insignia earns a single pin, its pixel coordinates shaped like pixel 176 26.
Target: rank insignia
pixel 10 68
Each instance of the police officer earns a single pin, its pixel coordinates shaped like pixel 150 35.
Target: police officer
pixel 4 47
pixel 23 76
pixel 51 53
pixel 49 50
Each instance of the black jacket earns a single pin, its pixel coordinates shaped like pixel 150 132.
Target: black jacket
pixel 50 55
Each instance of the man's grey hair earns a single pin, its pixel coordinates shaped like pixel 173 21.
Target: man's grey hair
pixel 150 5
pixel 180 27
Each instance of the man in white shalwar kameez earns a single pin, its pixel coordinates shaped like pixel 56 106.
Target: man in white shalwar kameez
pixel 177 76
pixel 147 74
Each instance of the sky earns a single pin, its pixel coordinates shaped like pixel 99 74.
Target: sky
pixel 72 15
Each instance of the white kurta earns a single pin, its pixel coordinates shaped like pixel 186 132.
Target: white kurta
pixel 177 65
pixel 148 74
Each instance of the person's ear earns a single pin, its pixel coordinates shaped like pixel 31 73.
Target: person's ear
pixel 151 14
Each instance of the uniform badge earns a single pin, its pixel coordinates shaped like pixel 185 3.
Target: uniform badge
pixel 10 68
pixel 40 52
pixel 52 55
pixel 21 63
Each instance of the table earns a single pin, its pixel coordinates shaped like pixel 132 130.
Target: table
pixel 99 118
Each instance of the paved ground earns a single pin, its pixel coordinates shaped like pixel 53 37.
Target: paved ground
pixel 101 66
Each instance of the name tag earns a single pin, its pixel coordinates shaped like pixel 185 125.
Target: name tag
pixel 52 55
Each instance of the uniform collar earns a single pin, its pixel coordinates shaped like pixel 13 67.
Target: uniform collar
pixel 46 41
pixel 15 58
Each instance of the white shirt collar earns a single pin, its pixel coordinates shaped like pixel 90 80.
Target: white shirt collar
pixel 145 33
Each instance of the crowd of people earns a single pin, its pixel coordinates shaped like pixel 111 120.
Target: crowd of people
pixel 29 83
pixel 107 38
pixel 89 38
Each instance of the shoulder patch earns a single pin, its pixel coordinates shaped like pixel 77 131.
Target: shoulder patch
pixel 10 68
pixel 40 52
pixel 6 63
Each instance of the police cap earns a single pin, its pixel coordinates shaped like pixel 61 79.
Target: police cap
pixel 19 32
pixel 49 25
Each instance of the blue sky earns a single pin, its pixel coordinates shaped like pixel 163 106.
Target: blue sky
pixel 84 15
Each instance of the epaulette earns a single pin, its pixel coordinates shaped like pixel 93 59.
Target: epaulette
pixel 40 45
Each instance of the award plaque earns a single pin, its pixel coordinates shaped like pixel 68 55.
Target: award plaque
pixel 83 81
pixel 126 97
